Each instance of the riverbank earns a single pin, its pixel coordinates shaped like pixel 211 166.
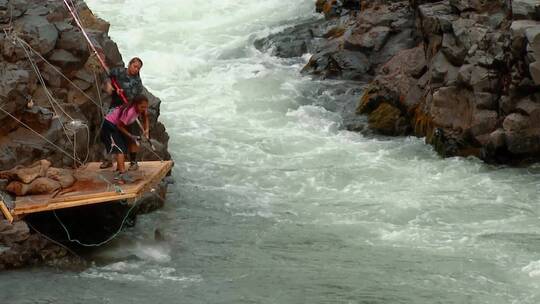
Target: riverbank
pixel 461 74
pixel 50 84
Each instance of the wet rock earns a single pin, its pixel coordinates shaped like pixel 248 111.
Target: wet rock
pixel 468 32
pixel 112 54
pixel 477 5
pixel 525 9
pixel 515 122
pixel 90 21
pixel 436 18
pixel 442 71
pixel 486 101
pixel 534 69
pixel 451 108
pixel 32 250
pixel 497 140
pixel 453 51
pixel 350 65
pixel 13 233
pixel 3 184
pixel 484 122
pixel 65 60
pixel 73 41
pixel 38 32
pixel 37 11
pixel 85 75
pixel 38 118
pixel 292 42
pixel 3 4
pixel 51 76
pixel 496 20
pixel 373 40
pixel 526 142
pixel 62 26
pixel 387 119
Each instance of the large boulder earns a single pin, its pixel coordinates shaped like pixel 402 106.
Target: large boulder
pixel 480 6
pixel 40 34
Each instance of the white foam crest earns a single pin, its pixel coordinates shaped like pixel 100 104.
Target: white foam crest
pixel 138 272
pixel 156 253
pixel 532 269
pixel 317 119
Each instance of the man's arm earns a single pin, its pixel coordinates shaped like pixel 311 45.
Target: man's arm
pixel 108 85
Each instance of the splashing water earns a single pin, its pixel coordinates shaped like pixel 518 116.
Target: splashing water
pixel 276 203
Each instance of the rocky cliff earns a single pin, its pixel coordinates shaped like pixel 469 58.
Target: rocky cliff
pixel 52 108
pixel 464 74
pixel 43 32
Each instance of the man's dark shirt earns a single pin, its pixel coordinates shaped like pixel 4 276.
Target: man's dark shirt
pixel 132 86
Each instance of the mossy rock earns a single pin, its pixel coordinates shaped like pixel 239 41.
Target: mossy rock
pixel 385 119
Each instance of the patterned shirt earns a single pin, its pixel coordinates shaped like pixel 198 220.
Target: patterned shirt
pixel 132 85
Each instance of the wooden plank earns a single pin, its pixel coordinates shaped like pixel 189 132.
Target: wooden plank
pixel 6 211
pixel 158 170
pixel 70 204
pixel 156 178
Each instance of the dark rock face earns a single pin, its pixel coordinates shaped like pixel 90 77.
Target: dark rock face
pixel 464 74
pixel 363 40
pixel 19 247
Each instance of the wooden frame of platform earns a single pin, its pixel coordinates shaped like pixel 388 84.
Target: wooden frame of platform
pixel 93 186
pixel 4 209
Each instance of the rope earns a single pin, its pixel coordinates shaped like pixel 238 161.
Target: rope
pixel 41 136
pixel 76 160
pixel 51 99
pixel 42 81
pixel 87 143
pixel 113 236
pixel 58 71
pixel 101 112
pixel 24 45
pixel 53 241
pixel 74 15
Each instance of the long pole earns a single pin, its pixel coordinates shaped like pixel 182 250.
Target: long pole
pixel 114 83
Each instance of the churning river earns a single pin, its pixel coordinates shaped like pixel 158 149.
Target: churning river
pixel 274 202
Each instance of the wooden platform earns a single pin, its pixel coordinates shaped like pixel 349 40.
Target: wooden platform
pixel 95 186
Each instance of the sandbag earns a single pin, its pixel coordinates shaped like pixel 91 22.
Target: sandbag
pixel 27 174
pixel 63 176
pixel 37 169
pixel 17 188
pixel 40 185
